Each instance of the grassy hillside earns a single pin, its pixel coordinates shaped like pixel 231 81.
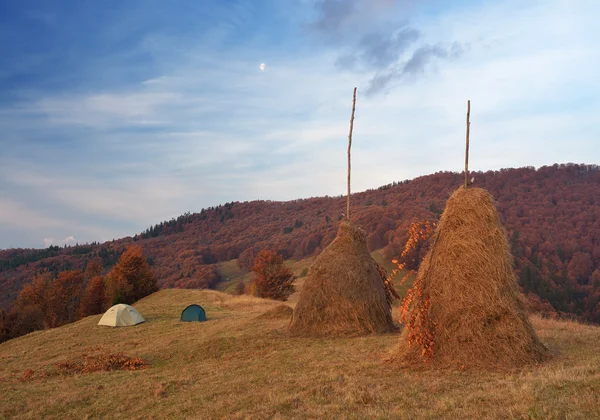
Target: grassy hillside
pixel 231 274
pixel 551 215
pixel 239 366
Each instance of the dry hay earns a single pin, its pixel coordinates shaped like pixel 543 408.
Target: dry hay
pixel 278 312
pixel 466 309
pixel 343 293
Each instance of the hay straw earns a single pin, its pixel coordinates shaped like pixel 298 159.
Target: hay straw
pixel 343 293
pixel 478 314
pixel 278 312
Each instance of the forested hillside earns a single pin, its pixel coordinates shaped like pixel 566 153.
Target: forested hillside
pixel 552 217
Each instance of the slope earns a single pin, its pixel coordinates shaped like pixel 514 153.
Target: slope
pixel 237 366
pixel 551 214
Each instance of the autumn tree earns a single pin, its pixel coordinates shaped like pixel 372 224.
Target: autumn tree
pixel 64 296
pixel 580 268
pixel 246 259
pixel 273 280
pixel 4 326
pixel 93 300
pixel 36 292
pixel 131 278
pixel 29 311
pixel 240 287
pixel 93 268
pixel 24 320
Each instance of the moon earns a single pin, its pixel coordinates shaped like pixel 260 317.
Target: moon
pixel 262 67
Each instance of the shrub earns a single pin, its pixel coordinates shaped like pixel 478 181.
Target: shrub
pixel 273 280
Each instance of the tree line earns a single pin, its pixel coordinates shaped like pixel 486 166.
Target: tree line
pixel 50 301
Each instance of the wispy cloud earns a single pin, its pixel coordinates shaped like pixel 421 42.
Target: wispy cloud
pixel 376 39
pixel 414 66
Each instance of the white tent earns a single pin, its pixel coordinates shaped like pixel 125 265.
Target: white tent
pixel 121 316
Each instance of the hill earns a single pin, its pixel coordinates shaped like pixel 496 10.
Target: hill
pixel 552 215
pixel 240 365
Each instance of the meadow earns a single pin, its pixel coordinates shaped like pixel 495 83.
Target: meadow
pixel 241 364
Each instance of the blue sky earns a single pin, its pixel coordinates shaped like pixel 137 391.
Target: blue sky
pixel 116 115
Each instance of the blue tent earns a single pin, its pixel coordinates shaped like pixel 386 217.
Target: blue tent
pixel 193 313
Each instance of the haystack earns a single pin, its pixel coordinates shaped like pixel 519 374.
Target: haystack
pixel 343 293
pixel 468 312
pixel 278 312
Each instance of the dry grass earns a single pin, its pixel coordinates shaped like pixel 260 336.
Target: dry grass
pixel 343 293
pixel 235 367
pixel 230 270
pixel 278 312
pixel 467 310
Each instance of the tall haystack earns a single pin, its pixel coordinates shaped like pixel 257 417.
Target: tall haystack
pixel 465 310
pixel 343 293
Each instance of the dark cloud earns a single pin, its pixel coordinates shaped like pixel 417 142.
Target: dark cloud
pixel 373 36
pixel 381 80
pixel 333 14
pixel 423 55
pixel 375 50
pixel 415 65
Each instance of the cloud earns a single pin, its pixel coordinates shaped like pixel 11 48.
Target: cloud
pixel 414 66
pixel 16 214
pixel 333 15
pixel 423 55
pixel 100 109
pixel 69 240
pixel 339 19
pixel 376 50
pixel 374 37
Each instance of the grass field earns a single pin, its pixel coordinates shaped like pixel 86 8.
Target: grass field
pixel 238 366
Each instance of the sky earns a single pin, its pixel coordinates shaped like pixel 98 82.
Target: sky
pixel 116 115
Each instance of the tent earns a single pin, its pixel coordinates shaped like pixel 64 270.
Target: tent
pixel 121 315
pixel 193 313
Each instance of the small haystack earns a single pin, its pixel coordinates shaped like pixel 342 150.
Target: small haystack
pixel 343 293
pixel 466 309
pixel 278 312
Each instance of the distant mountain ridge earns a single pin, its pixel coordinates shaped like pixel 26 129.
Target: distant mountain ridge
pixel 551 214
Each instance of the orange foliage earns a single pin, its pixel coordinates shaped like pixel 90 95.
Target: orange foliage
pixel 101 362
pixel 390 291
pixel 414 250
pixel 36 292
pixel 63 298
pixel 130 279
pixel 414 308
pixel 551 213
pixel 93 301
pixel 246 258
pixel 93 269
pixel 272 280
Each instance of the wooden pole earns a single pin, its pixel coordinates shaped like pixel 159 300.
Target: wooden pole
pixel 350 145
pixel 467 149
